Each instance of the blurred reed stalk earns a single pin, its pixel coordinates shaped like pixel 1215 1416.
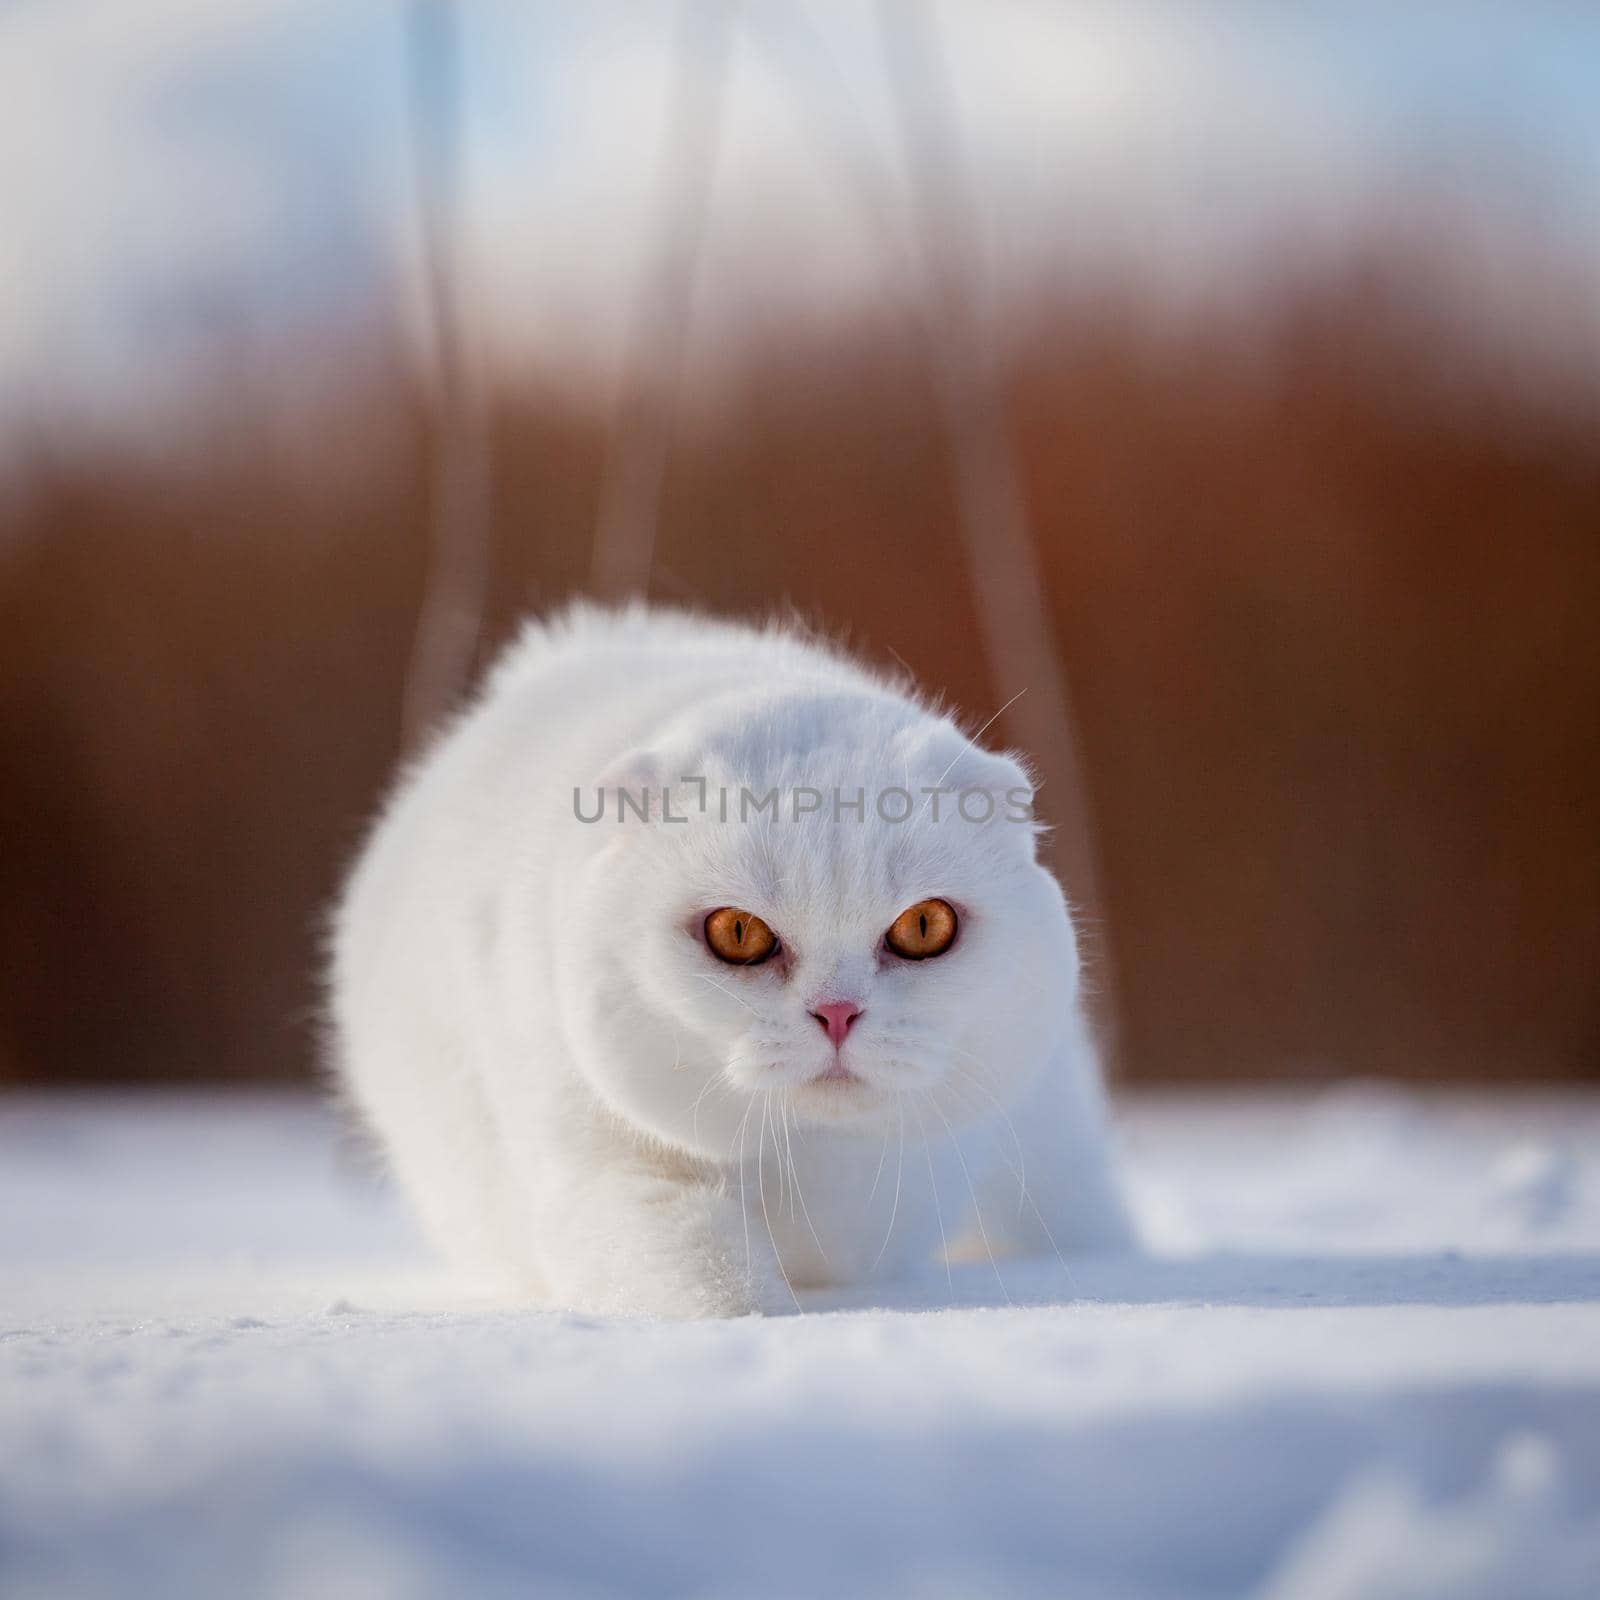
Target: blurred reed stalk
pixel 641 430
pixel 1003 568
pixel 459 532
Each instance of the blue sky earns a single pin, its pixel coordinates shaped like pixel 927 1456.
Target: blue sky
pixel 185 170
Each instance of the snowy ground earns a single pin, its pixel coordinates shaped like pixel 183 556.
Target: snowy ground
pixel 1366 1364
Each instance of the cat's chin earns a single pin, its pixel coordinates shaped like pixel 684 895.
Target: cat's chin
pixel 865 1091
pixel 839 1095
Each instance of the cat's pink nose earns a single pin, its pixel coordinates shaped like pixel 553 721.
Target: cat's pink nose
pixel 835 1017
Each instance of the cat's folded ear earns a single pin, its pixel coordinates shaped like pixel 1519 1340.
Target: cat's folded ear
pixel 1007 778
pixel 630 788
pixel 999 774
pixel 965 768
pixel 643 786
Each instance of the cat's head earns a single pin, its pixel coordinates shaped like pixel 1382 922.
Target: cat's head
pixel 858 947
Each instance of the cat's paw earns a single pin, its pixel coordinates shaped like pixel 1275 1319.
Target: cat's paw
pixel 685 1298
pixel 671 1252
pixel 713 1288
pixel 716 1300
pixel 694 1260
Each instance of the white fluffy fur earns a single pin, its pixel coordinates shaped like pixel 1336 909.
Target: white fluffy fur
pixel 577 1095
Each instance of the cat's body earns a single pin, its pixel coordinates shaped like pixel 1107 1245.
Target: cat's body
pixel 580 1096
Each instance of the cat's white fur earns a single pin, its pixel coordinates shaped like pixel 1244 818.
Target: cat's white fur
pixel 579 1096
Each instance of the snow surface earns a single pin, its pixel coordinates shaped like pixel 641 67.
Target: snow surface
pixel 1365 1365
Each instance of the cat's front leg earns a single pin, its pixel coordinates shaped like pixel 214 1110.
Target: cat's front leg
pixel 633 1240
pixel 1058 1141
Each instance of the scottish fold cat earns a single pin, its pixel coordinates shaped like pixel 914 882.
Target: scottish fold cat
pixel 696 964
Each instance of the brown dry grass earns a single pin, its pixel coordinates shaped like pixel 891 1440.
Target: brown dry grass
pixel 1326 592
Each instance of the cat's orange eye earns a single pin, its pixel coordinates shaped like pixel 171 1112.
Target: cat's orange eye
pixel 926 929
pixel 739 937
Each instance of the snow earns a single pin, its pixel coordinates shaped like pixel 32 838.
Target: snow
pixel 1364 1364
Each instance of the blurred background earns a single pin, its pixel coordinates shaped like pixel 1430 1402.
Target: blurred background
pixel 1226 377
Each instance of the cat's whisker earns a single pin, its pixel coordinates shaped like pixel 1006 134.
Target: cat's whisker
pixel 1027 1202
pixel 899 1173
pixel 977 1083
pixel 902 841
pixel 694 1111
pixel 877 1177
pixel 783 1166
pixel 977 1210
pixel 761 1189
pixel 744 1061
pixel 1061 1260
pixel 744 1123
pixel 933 1183
pixel 717 1082
pixel 788 1161
pixel 1020 1171
pixel 988 1126
pixel 972 744
pixel 972 741
pixel 804 1211
pixel 705 977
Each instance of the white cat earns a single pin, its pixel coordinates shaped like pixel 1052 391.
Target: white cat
pixel 671 967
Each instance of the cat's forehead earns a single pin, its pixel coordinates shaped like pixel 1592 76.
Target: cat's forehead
pixel 842 746
pixel 844 860
pixel 830 807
